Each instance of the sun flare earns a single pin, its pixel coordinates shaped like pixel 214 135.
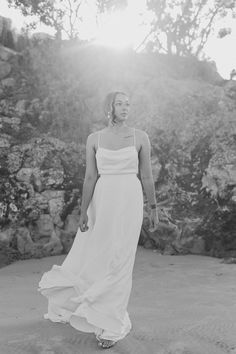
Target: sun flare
pixel 121 29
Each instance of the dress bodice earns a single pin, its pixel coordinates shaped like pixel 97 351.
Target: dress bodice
pixel 121 161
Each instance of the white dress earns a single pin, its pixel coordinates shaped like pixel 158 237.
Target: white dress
pixel 91 288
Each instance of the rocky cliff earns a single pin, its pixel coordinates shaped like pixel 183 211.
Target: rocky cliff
pixel 50 98
pixel 40 176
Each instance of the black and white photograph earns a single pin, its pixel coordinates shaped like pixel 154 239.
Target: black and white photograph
pixel 117 176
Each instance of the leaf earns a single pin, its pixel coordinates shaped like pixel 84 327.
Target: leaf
pixel 224 32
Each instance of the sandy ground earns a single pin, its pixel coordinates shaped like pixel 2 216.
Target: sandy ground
pixel 178 305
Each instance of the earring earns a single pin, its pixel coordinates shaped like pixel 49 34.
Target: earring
pixel 108 115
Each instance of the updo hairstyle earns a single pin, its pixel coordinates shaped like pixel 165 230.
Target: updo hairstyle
pixel 109 108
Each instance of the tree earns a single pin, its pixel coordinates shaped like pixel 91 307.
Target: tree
pixel 186 25
pixel 110 5
pixel 63 15
pixel 6 33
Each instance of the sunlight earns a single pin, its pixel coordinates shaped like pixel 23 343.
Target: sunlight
pixel 113 34
pixel 121 29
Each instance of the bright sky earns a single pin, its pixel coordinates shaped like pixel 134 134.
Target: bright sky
pixel 222 51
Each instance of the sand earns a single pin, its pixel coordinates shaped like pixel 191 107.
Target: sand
pixel 178 305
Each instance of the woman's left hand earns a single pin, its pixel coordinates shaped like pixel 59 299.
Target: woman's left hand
pixel 154 220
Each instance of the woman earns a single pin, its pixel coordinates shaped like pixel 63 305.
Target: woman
pixel 91 288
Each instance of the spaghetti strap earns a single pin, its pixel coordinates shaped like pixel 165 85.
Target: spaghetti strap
pixel 134 138
pixel 98 139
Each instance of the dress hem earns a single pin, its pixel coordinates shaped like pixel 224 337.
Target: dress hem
pixel 85 317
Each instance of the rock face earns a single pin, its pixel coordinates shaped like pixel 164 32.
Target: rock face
pixel 37 193
pixel 38 189
pixel 41 176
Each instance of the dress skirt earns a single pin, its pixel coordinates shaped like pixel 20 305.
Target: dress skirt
pixel 91 288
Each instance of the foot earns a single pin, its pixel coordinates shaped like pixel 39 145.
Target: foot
pixel 105 343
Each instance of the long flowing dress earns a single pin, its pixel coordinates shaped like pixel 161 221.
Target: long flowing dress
pixel 91 288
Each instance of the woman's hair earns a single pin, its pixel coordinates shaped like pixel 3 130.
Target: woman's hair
pixel 109 108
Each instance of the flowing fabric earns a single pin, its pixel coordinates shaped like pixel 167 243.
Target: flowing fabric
pixel 91 288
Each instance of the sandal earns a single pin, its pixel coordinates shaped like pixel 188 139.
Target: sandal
pixel 105 343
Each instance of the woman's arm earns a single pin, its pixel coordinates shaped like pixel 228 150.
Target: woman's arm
pixel 91 174
pixel 146 169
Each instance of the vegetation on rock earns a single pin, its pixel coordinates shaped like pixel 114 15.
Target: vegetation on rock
pixel 53 100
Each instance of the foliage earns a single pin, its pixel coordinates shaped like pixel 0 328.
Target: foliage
pixel 224 32
pixel 22 40
pixel 10 38
pixel 219 178
pixel 6 34
pixel 189 121
pixel 186 24
pixel 63 15
pixel 110 5
pixel 44 10
pixel 54 82
pixel 192 130
pixel 218 229
pixel 180 27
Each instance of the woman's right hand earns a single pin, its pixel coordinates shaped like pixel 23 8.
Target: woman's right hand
pixel 83 222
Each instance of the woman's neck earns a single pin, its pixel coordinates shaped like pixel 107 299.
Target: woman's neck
pixel 119 126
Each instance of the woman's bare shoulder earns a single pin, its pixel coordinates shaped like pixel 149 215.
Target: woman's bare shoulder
pixel 141 133
pixel 93 138
pixel 93 135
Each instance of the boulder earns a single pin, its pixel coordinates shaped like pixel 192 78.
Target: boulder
pixel 25 174
pixel 165 235
pixel 72 224
pixel 41 201
pixel 25 244
pixel 54 246
pixel 52 177
pixel 67 240
pixel 149 244
pixel 43 227
pixel 51 194
pixel 36 182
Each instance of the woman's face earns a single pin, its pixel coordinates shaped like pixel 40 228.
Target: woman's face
pixel 121 107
